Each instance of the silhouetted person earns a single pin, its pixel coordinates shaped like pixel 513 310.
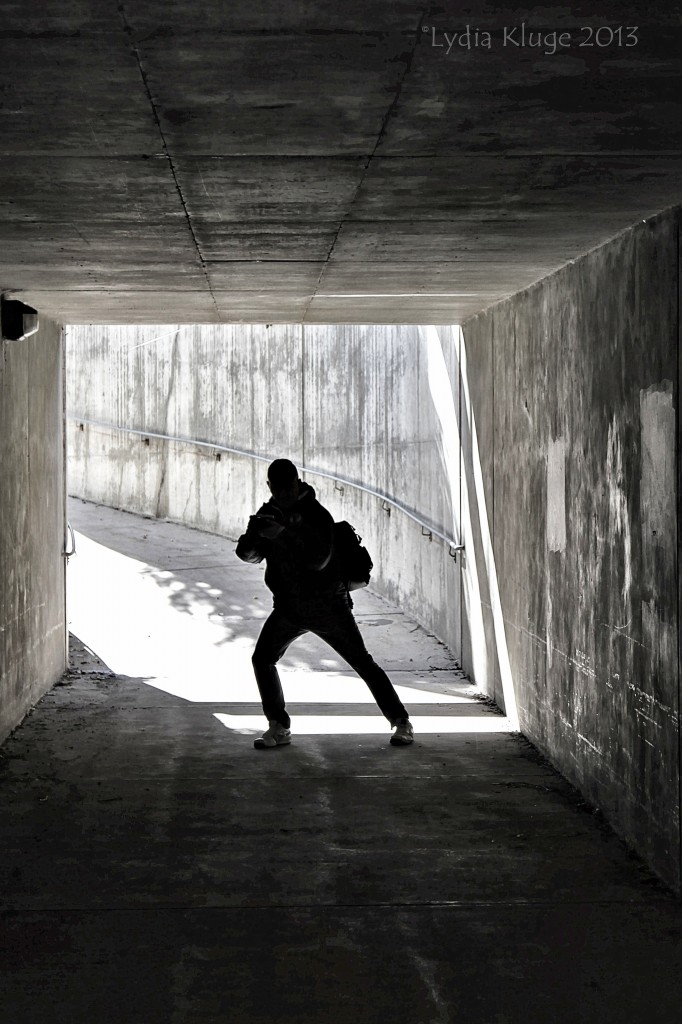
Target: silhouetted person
pixel 294 534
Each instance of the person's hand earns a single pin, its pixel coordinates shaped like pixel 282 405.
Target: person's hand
pixel 270 531
pixel 267 528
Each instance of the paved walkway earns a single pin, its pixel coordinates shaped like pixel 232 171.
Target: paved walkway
pixel 158 870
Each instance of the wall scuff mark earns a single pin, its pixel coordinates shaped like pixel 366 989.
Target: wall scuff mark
pixel 556 495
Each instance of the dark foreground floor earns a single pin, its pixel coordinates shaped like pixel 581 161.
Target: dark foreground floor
pixel 158 870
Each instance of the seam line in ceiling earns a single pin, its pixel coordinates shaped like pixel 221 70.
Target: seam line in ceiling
pixel 157 120
pixel 369 158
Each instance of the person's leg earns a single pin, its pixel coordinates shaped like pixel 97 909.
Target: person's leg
pixel 277 634
pixel 341 632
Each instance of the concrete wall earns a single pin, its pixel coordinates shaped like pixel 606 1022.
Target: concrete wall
pixel 32 521
pixel 381 406
pixel 574 390
pixel 238 386
pixel 374 405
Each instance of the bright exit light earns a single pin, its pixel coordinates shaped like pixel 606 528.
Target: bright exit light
pixel 345 725
pixel 468 502
pixel 397 295
pixel 148 623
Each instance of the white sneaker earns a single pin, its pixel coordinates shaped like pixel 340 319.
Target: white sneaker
pixel 403 733
pixel 275 736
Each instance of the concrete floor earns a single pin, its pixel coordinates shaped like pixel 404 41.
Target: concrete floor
pixel 159 869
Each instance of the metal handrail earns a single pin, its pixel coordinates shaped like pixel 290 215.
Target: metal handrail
pixel 68 554
pixel 453 545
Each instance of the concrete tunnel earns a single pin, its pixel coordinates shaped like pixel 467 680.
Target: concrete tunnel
pixel 431 257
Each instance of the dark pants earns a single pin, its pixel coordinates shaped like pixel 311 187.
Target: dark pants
pixel 336 625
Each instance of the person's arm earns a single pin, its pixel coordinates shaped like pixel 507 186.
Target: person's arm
pixel 252 545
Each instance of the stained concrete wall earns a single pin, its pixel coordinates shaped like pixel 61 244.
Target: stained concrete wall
pixel 374 405
pixel 32 521
pixel 574 390
pixel 381 405
pixel 234 386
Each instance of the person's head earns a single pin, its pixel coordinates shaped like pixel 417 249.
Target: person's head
pixel 283 481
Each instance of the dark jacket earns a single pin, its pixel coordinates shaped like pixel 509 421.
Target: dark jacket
pixel 299 561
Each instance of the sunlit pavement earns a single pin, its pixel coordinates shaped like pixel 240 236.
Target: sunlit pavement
pixel 159 869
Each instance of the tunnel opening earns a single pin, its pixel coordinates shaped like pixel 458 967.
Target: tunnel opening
pixel 179 423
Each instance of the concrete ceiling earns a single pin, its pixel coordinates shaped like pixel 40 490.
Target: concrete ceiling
pixel 321 161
